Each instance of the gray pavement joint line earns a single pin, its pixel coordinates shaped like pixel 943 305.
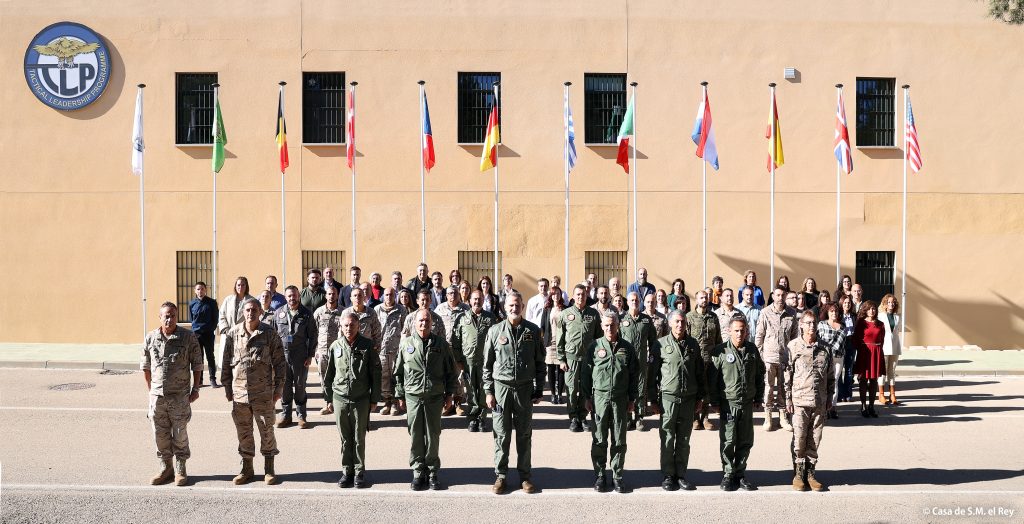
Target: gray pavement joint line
pixel 448 493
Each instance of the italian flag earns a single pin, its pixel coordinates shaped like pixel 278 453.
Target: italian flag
pixel 625 132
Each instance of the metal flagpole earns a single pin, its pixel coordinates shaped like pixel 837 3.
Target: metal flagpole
pixel 704 203
pixel 284 271
pixel 216 94
pixel 632 167
pixel 771 164
pixel 139 146
pixel 353 109
pixel 903 262
pixel 839 89
pixel 423 198
pixel 565 155
pixel 497 270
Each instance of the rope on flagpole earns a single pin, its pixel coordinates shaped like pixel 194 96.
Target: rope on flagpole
pixel 704 203
pixel 565 155
pixel 353 85
pixel 632 167
pixel 284 266
pixel 423 198
pixel 771 164
pixel 903 261
pixel 839 88
pixel 142 230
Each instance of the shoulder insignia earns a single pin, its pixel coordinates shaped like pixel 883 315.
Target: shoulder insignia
pixel 410 350
pixel 570 317
pixel 625 323
pixel 602 353
pixel 730 358
pixel 503 339
pixel 668 350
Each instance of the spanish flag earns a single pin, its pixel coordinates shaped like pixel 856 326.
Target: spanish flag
pixel 489 156
pixel 282 138
pixel 774 136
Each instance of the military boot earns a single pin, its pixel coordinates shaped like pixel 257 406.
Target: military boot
pixel 768 426
pixel 811 481
pixel 799 484
pixel 180 475
pixel 268 471
pixel 784 421
pixel 246 474
pixel 386 410
pixel 165 475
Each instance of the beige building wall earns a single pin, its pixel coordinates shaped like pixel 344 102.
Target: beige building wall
pixel 69 225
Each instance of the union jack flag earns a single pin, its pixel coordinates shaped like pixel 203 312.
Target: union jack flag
pixel 842 138
pixel 910 138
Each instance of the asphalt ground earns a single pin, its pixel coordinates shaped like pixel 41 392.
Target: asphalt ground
pixel 951 453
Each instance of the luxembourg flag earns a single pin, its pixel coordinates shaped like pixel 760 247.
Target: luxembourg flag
pixel 427 140
pixel 704 135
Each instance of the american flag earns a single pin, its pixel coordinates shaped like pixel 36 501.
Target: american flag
pixel 350 146
pixel 842 138
pixel 910 137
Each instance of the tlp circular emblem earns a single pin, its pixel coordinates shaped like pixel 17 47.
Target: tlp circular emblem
pixel 67 66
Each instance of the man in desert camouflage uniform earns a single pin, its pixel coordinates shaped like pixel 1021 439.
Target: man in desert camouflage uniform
pixel 703 326
pixel 328 321
pixel 253 372
pixel 810 384
pixel 172 362
pixel 391 316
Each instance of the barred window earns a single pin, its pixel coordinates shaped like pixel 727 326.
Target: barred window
pixel 876 273
pixel 476 264
pixel 476 97
pixel 323 108
pixel 876 112
pixel 604 103
pixel 193 121
pixel 606 264
pixel 192 267
pixel 320 260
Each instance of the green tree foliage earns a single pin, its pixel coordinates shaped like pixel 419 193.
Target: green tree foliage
pixel 1009 11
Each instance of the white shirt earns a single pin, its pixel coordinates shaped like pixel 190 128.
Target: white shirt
pixel 535 308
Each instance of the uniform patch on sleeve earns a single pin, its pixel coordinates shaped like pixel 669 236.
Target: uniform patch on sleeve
pixel 570 317
pixel 668 350
pixel 625 323
pixel 410 350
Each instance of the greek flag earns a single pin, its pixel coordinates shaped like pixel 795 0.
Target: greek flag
pixel 570 135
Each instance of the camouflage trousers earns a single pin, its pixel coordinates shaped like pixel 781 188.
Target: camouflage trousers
pixel 774 389
pixel 262 412
pixel 169 416
pixel 808 424
pixel 387 369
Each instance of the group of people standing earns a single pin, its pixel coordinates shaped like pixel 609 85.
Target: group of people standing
pixel 424 349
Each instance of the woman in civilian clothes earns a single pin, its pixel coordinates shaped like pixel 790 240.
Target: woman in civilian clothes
pixel 405 299
pixel 849 321
pixel 231 309
pixel 678 290
pixel 891 347
pixel 661 302
pixel 824 299
pixel 810 293
pixel 830 332
pixel 750 279
pixel 844 286
pixel 490 298
pixel 682 303
pixel 552 320
pixel 868 336
pixel 782 282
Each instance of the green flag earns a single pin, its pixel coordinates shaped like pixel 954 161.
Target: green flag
pixel 220 138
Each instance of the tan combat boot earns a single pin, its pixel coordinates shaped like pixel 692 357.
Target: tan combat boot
pixel 799 484
pixel 268 471
pixel 811 481
pixel 180 475
pixel 246 474
pixel 165 475
pixel 386 410
pixel 784 421
pixel 768 426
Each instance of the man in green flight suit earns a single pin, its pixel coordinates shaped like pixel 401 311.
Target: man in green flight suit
pixel 736 389
pixel 425 381
pixel 514 372
pixel 679 373
pixel 352 383
pixel 638 329
pixel 468 337
pixel 580 326
pixel 610 386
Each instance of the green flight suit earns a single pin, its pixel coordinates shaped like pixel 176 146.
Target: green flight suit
pixel 641 334
pixel 468 336
pixel 679 374
pixel 352 380
pixel 425 376
pixel 611 381
pixel 735 383
pixel 579 328
pixel 514 373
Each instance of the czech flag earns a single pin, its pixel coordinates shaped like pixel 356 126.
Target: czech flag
pixel 704 135
pixel 427 140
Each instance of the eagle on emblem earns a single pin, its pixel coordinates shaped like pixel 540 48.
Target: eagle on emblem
pixel 65 49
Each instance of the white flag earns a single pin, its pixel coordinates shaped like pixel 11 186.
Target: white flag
pixel 138 144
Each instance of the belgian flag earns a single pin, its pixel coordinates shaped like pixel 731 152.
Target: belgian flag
pixel 282 138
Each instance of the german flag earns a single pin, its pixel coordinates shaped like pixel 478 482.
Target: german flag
pixel 281 133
